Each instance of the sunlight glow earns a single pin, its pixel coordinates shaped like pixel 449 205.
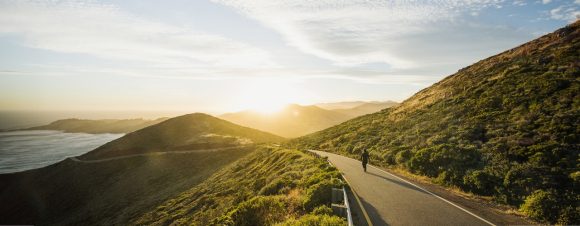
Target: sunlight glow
pixel 267 96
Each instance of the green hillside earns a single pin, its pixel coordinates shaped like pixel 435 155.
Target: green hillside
pixel 507 126
pixel 98 126
pixel 105 193
pixel 267 187
pixel 187 132
pixel 240 184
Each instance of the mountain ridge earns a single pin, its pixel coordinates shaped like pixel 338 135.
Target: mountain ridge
pixel 296 120
pixel 186 132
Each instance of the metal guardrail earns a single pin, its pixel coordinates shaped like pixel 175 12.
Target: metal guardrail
pixel 342 191
pixel 348 213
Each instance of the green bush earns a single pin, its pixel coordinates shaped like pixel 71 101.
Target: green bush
pixel 541 205
pixel 318 194
pixel 260 210
pixel 314 220
pixel 322 210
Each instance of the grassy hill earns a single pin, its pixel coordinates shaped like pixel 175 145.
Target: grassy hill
pixel 297 120
pixel 98 126
pixel 263 185
pixel 187 132
pixel 507 127
pixel 267 187
pixel 105 193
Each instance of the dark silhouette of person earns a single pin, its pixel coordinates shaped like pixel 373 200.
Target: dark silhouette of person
pixel 364 157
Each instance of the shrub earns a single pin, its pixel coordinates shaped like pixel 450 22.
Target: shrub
pixel 260 210
pixel 314 220
pixel 322 210
pixel 541 205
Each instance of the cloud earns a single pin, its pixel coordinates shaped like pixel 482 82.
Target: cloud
pixel 104 31
pixel 403 34
pixel 565 12
pixel 546 1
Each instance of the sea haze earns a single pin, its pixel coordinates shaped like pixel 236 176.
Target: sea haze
pixel 24 150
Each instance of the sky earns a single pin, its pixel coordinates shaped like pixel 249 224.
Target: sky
pixel 221 56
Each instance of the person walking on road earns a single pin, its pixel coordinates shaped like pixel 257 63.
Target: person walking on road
pixel 364 159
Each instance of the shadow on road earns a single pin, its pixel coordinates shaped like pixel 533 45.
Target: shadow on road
pixel 402 183
pixel 373 214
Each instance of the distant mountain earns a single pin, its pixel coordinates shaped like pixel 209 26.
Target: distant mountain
pixel 367 108
pixel 297 120
pixel 507 127
pixel 98 126
pixel 340 105
pixel 187 132
pixel 292 121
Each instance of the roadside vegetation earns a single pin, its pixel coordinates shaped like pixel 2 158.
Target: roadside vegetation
pixel 505 127
pixel 268 187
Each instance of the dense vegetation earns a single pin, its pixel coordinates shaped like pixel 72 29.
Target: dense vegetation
pixel 269 186
pixel 296 120
pixel 98 126
pixel 187 132
pixel 507 126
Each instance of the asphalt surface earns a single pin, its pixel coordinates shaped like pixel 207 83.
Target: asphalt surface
pixel 389 200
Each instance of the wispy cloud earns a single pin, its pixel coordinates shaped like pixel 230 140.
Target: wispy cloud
pixel 401 33
pixel 567 12
pixel 104 31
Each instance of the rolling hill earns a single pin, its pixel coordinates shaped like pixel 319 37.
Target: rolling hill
pixel 98 126
pixel 297 120
pixel 187 132
pixel 506 126
pixel 267 187
pixel 133 178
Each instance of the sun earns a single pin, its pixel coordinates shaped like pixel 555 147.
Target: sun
pixel 267 96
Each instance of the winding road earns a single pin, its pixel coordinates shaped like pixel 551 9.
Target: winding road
pixel 390 200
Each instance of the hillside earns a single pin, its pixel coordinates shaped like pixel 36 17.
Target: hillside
pixel 366 108
pixel 267 187
pixel 292 121
pixel 297 120
pixel 505 127
pixel 98 126
pixel 132 177
pixel 106 193
pixel 187 132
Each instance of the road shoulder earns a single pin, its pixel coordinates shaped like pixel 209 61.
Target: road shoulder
pixel 486 209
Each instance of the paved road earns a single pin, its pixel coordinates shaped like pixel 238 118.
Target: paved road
pixel 389 200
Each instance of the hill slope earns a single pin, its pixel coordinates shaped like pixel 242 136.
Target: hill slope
pixel 98 126
pixel 294 120
pixel 104 193
pixel 266 187
pixel 367 108
pixel 297 120
pixel 187 132
pixel 506 126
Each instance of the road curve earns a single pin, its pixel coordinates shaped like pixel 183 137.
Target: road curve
pixel 390 200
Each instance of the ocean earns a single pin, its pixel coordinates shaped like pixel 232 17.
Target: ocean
pixel 25 150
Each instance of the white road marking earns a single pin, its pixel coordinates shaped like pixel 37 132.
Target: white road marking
pixel 439 197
